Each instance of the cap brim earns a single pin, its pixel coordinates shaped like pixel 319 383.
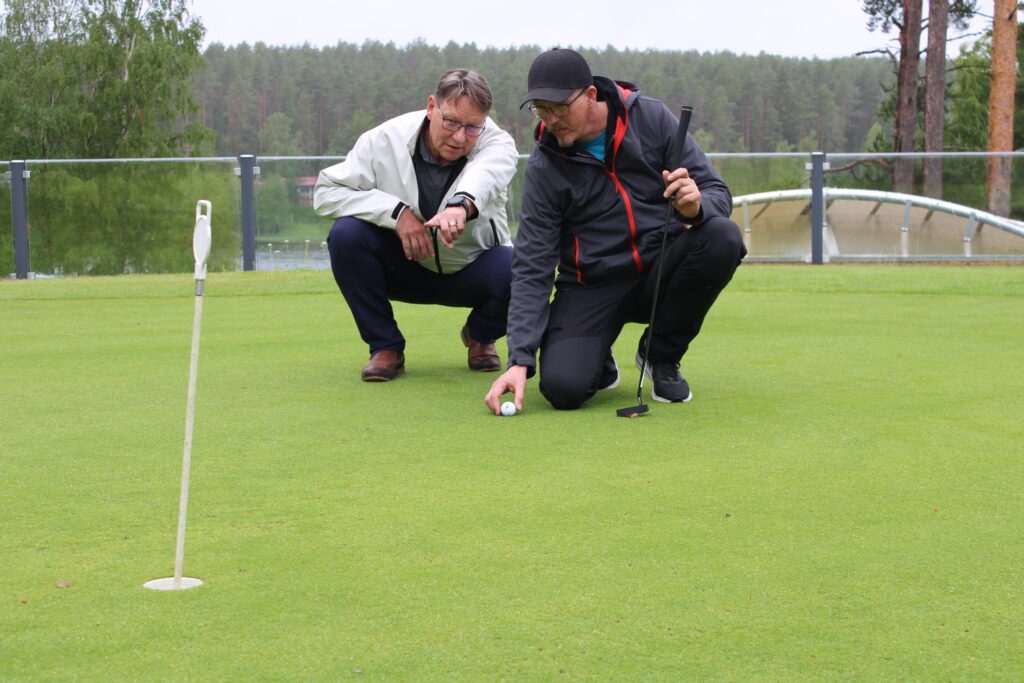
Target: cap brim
pixel 548 95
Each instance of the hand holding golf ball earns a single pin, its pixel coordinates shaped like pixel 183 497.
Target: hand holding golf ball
pixel 511 381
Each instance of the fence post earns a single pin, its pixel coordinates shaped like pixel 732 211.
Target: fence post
pixel 19 219
pixel 247 173
pixel 817 206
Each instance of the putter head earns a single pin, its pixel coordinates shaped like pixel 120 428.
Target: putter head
pixel 633 411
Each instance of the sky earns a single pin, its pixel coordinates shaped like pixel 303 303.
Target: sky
pixel 790 28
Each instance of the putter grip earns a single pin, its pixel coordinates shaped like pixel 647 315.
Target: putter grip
pixel 684 126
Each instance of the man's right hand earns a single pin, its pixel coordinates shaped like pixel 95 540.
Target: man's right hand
pixel 416 241
pixel 514 380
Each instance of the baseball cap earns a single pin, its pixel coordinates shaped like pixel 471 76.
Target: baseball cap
pixel 556 74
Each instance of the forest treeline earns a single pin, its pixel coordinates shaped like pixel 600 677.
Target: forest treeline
pixel 303 100
pixel 105 79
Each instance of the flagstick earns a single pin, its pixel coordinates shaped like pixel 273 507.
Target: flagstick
pixel 201 249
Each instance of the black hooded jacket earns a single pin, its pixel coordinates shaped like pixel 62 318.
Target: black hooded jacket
pixel 599 222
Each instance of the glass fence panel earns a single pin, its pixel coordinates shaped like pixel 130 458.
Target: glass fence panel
pixel 136 216
pixel 750 175
pixel 94 218
pixel 778 228
pixel 963 177
pixel 769 233
pixel 289 234
pixel 893 230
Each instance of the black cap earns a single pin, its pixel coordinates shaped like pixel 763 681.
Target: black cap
pixel 557 74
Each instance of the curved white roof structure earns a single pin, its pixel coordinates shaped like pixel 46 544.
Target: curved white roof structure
pixel 875 225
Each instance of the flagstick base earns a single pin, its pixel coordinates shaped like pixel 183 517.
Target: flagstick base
pixel 168 584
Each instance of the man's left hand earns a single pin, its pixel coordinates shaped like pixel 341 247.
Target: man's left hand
pixel 449 223
pixel 684 192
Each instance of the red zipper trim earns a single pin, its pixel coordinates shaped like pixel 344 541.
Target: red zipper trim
pixel 621 125
pixel 632 223
pixel 579 273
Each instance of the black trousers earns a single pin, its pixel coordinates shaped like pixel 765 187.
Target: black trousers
pixel 371 271
pixel 585 320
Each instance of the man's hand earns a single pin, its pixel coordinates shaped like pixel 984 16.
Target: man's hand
pixel 450 224
pixel 416 241
pixel 684 192
pixel 514 380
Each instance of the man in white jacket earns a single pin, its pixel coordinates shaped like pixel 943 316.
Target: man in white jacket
pixel 420 209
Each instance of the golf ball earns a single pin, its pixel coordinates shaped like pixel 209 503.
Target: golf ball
pixel 508 408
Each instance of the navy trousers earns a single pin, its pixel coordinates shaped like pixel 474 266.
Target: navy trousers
pixel 371 270
pixel 585 320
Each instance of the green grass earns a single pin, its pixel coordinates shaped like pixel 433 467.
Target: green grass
pixel 297 232
pixel 842 498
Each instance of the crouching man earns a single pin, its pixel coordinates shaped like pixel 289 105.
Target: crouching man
pixel 420 209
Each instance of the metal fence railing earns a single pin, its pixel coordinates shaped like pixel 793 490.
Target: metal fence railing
pixel 112 216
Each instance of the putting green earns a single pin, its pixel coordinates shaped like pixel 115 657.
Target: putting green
pixel 841 498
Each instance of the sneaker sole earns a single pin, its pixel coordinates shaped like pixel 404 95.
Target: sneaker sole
pixel 648 374
pixel 665 400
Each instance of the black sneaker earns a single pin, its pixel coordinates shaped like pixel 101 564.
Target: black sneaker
pixel 668 385
pixel 609 378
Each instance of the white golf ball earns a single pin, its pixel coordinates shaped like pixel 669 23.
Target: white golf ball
pixel 508 408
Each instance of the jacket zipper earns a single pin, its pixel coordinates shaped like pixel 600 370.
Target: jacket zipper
pixel 437 251
pixel 629 214
pixel 494 231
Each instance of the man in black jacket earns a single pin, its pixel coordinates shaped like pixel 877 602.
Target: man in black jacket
pixel 594 205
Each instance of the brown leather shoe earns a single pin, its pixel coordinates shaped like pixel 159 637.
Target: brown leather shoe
pixel 383 366
pixel 481 357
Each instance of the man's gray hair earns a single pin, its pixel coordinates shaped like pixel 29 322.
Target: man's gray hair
pixel 458 82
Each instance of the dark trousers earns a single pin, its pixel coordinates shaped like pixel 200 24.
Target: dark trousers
pixel 371 270
pixel 585 320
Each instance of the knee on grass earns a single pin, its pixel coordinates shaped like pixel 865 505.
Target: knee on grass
pixel 565 391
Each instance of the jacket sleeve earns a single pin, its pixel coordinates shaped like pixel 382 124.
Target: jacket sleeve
pixel 533 269
pixel 490 168
pixel 350 188
pixel 715 197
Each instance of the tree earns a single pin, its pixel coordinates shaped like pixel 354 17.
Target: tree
pixel 108 78
pixel 1000 116
pixel 98 78
pixel 906 89
pixel 935 94
pixel 940 14
pixel 906 16
pixel 277 137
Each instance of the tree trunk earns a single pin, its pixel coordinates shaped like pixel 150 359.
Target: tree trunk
pixel 935 94
pixel 1000 105
pixel 906 92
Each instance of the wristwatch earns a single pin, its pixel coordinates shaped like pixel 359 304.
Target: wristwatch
pixel 459 200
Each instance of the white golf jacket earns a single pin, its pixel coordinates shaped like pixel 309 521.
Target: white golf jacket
pixel 377 180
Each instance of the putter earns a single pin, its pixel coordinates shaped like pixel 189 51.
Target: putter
pixel 201 250
pixel 677 158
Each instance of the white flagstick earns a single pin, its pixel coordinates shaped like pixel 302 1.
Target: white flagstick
pixel 201 249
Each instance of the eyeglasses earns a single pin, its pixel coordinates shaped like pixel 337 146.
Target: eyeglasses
pixel 453 126
pixel 542 111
